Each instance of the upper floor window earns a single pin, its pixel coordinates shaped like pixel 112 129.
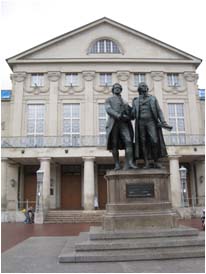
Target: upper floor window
pixel 105 79
pixel 35 120
pixel 173 79
pixel 102 123
pixel 71 79
pixel 37 80
pixel 139 78
pixel 177 121
pixel 104 46
pixel 71 124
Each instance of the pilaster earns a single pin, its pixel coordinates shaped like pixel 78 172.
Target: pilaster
pixel 89 103
pixel 157 77
pixel 53 77
pixel 191 79
pixel 16 116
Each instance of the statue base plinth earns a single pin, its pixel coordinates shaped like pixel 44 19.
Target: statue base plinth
pixel 138 199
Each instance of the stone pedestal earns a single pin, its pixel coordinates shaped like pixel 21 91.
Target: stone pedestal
pixel 139 224
pixel 138 199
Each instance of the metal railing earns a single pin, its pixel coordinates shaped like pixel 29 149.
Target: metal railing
pixel 86 141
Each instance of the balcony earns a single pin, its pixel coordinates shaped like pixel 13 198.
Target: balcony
pixel 88 141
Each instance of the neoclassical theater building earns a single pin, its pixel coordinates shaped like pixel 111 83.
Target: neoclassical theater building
pixel 55 118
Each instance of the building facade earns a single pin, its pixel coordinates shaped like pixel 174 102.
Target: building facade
pixel 55 118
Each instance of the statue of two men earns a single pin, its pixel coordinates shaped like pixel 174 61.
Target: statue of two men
pixel 149 121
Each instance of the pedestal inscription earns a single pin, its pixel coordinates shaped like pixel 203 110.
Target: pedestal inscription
pixel 140 190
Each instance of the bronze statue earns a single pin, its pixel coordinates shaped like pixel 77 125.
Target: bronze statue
pixel 119 129
pixel 149 121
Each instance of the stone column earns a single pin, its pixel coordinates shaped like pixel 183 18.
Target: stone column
pixel 175 182
pixel 45 166
pixel 16 112
pixel 157 77
pixel 88 183
pixel 4 162
pixel 53 77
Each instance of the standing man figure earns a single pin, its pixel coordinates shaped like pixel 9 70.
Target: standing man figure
pixel 119 129
pixel 149 121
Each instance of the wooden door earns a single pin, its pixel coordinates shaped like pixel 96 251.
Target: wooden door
pixel 102 191
pixel 71 191
pixel 30 184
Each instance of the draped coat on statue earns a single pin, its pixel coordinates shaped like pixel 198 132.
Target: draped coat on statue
pixel 158 119
pixel 114 109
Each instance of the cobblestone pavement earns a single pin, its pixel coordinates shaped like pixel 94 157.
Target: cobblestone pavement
pixel 35 249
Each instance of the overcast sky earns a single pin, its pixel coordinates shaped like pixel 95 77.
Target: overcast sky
pixel 27 23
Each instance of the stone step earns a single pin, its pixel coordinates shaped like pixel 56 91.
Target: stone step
pixel 79 216
pixel 139 243
pixel 132 254
pixel 97 233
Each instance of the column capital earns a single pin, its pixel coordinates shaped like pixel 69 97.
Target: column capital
pixel 157 75
pixel 123 75
pixel 4 159
pixel 44 159
pixel 173 157
pixel 18 76
pixel 190 76
pixel 88 158
pixel 88 75
pixel 54 76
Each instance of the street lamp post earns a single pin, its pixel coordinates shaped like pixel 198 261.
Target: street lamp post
pixel 184 192
pixel 39 218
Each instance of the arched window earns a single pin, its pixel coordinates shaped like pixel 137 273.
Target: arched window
pixel 104 46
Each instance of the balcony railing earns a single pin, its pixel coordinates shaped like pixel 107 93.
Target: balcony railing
pixel 87 141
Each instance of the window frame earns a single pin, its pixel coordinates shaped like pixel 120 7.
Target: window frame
pixel 104 46
pixel 39 81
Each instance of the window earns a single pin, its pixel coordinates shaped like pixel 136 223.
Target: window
pixel 104 46
pixel 177 121
pixel 37 80
pixel 173 79
pixel 71 124
pixel 102 117
pixel 35 120
pixel 71 79
pixel 139 78
pixel 105 79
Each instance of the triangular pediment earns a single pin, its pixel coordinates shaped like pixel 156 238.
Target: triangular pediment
pixel 74 45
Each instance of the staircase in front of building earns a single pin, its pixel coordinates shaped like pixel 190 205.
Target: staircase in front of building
pixel 74 216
